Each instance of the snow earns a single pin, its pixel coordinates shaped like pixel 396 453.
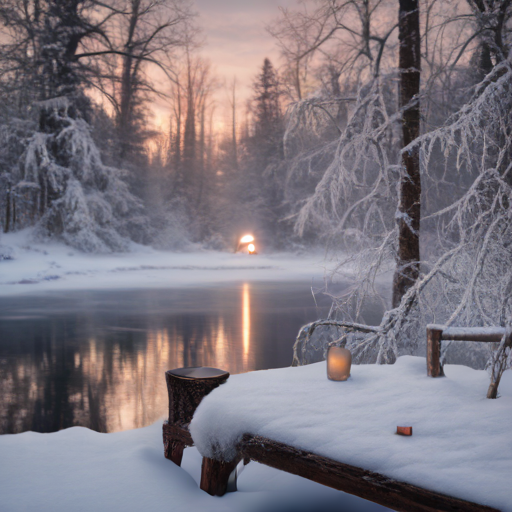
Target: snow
pixel 81 470
pixel 52 266
pixel 461 442
pixel 472 331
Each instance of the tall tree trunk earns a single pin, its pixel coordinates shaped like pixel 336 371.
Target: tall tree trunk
pixel 298 88
pixel 127 78
pixel 7 210
pixel 14 212
pixel 201 174
pixel 170 145
pixel 177 143
pixel 125 107
pixel 202 133
pixel 189 137
pixel 209 151
pixel 408 257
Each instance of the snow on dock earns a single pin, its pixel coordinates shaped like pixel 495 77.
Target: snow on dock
pixel 461 440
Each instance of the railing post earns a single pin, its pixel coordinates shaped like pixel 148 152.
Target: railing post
pixel 434 366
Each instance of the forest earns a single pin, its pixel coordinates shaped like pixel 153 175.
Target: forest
pixel 382 134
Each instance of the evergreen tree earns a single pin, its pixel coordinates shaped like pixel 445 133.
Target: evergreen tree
pixel 263 169
pixel 73 195
pixel 268 122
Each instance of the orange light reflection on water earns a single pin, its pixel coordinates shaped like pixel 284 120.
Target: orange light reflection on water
pixel 221 346
pixel 121 382
pixel 246 324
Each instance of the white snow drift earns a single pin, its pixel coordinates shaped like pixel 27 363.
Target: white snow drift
pixel 78 470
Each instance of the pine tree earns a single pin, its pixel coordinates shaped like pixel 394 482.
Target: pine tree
pixel 268 122
pixel 77 198
pixel 263 173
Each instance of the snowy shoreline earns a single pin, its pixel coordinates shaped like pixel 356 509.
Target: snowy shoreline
pixel 40 267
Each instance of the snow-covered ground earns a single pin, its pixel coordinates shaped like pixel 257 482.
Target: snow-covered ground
pixel 38 267
pixel 460 446
pixel 78 470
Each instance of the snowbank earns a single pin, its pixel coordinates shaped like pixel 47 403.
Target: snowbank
pixel 460 445
pixel 38 267
pixel 80 470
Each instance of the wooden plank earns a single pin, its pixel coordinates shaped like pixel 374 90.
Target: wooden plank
pixel 371 486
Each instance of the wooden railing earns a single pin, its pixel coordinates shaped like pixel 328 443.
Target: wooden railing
pixel 437 333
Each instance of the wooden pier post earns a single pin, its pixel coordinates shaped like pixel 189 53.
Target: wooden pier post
pixel 215 475
pixel 186 388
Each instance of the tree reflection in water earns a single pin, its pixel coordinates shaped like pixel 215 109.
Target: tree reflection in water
pixel 97 359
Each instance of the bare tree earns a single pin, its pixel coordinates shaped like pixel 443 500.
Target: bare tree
pixel 177 115
pixel 463 156
pixel 491 17
pixel 351 35
pixel 191 102
pixel 151 31
pixel 143 38
pixel 232 104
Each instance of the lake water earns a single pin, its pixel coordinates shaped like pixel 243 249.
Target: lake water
pixel 97 358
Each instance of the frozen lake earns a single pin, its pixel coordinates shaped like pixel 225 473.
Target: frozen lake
pixel 97 358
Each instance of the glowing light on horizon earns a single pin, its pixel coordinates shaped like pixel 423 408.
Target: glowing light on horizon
pixel 251 248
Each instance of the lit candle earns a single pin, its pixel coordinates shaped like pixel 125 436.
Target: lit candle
pixel 338 363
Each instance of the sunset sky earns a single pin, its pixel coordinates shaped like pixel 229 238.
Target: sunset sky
pixel 236 39
pixel 236 42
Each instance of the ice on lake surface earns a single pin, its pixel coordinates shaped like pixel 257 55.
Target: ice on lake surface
pixel 97 358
